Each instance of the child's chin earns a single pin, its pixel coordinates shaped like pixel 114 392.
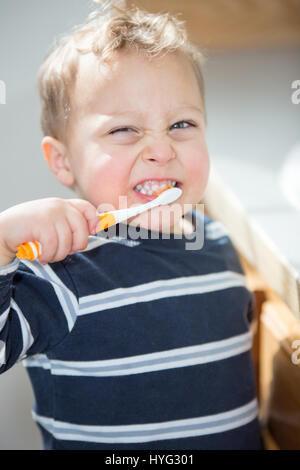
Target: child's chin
pixel 160 219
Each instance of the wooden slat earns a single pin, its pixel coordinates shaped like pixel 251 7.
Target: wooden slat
pixel 276 359
pixel 269 441
pixel 223 24
pixel 258 249
pixel 279 380
pixel 277 365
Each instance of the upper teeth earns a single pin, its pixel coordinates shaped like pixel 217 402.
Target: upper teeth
pixel 151 186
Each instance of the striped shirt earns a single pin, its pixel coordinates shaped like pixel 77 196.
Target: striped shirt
pixel 137 342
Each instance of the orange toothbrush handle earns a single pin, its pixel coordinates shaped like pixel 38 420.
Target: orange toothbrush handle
pixel 29 250
pixel 106 220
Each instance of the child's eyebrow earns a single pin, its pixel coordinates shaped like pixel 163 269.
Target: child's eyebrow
pixel 190 108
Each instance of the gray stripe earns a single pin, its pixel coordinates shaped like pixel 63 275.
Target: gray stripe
pixel 232 280
pixel 39 360
pixel 216 230
pixel 178 429
pixel 27 336
pixel 152 362
pixel 3 317
pixel 9 268
pixel 156 431
pixel 64 290
pixel 61 286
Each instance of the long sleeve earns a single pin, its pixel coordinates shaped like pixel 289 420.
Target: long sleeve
pixel 38 308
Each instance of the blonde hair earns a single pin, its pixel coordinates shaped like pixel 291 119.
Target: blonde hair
pixel 107 29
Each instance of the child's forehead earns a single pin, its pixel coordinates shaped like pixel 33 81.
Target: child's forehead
pixel 92 77
pixel 102 73
pixel 112 80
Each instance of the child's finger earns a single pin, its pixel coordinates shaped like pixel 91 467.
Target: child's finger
pixel 88 211
pixel 65 240
pixel 79 228
pixel 49 242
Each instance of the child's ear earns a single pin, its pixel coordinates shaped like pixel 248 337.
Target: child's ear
pixel 55 153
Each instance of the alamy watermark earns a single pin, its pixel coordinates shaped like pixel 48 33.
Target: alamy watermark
pixel 2 353
pixel 2 92
pixel 296 354
pixel 160 222
pixel 295 97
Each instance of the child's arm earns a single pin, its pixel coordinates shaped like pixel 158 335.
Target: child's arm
pixel 38 309
pixel 38 306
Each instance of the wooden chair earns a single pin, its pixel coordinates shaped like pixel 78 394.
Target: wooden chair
pixel 276 346
pixel 277 365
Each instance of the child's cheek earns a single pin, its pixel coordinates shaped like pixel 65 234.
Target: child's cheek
pixel 108 182
pixel 198 172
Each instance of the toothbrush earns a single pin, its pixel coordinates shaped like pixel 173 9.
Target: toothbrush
pixel 32 250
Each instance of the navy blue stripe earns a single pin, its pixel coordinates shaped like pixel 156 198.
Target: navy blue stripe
pixel 157 326
pixel 157 396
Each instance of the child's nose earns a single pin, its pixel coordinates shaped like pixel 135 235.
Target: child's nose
pixel 158 152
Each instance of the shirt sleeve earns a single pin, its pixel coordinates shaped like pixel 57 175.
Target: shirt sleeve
pixel 38 309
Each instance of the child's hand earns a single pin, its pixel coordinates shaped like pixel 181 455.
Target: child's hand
pixel 62 226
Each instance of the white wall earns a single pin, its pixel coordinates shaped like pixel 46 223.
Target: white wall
pixel 252 127
pixel 250 118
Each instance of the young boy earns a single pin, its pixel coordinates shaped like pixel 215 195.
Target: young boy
pixel 129 343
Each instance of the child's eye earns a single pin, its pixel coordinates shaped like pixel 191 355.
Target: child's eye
pixel 124 135
pixel 182 125
pixel 121 129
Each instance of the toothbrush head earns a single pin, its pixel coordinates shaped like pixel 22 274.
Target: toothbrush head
pixel 168 195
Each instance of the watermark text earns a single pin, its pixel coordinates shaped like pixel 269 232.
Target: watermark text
pixel 2 353
pixel 296 354
pixel 296 94
pixel 2 92
pixel 162 222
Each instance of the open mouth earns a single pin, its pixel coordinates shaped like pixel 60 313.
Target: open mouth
pixel 155 187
